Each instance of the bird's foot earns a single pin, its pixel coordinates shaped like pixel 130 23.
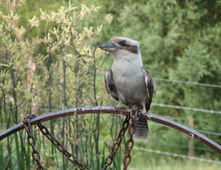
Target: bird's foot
pixel 143 111
pixel 134 114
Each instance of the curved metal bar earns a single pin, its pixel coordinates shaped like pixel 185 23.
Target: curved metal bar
pixel 113 110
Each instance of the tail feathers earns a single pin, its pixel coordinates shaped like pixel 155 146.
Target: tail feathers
pixel 142 130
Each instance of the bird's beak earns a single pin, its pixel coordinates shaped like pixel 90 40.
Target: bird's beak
pixel 109 47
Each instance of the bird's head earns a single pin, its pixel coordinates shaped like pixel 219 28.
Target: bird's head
pixel 121 45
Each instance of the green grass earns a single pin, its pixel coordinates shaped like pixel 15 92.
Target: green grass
pixel 172 164
pixel 168 163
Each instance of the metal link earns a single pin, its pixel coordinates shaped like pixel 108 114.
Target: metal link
pixel 117 143
pixel 31 141
pixel 129 145
pixel 60 147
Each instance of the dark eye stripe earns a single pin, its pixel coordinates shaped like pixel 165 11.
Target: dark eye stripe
pixel 132 49
pixel 122 43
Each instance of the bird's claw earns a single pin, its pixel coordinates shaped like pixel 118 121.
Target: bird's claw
pixel 134 114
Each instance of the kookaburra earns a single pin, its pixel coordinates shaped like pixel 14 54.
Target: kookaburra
pixel 128 81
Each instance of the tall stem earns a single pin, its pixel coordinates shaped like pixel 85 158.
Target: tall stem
pixel 97 132
pixel 64 104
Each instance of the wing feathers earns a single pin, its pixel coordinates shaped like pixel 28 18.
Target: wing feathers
pixel 149 88
pixel 109 84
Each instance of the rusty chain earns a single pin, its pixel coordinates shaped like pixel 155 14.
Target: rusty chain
pixel 108 161
pixel 54 141
pixel 31 141
pixel 116 145
pixel 60 147
pixel 129 145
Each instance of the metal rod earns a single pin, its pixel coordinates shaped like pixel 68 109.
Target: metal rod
pixel 113 110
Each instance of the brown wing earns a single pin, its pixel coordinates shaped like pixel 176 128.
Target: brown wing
pixel 109 84
pixel 149 88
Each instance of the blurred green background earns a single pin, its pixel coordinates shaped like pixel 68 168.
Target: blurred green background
pixel 49 61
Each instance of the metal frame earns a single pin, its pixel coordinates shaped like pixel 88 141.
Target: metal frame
pixel 112 110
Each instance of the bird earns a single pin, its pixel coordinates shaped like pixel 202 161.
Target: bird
pixel 128 81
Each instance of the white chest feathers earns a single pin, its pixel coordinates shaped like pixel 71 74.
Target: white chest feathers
pixel 129 81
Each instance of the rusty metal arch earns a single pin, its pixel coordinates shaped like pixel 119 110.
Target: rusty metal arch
pixel 112 110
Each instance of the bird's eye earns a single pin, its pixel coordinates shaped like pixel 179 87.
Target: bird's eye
pixel 122 43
